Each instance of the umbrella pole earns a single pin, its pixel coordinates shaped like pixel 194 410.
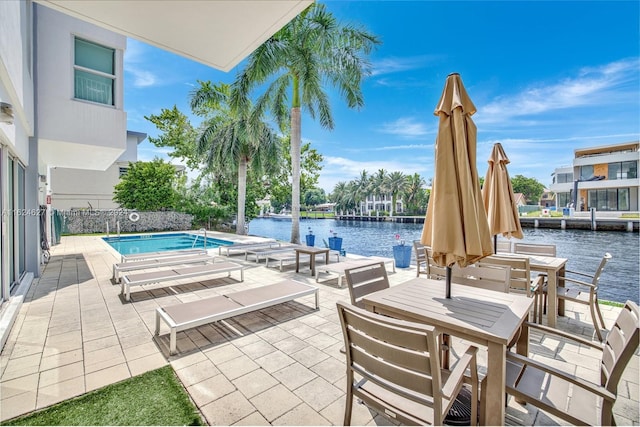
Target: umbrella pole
pixel 495 243
pixel 445 337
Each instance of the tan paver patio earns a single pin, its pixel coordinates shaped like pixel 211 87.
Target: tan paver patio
pixel 279 366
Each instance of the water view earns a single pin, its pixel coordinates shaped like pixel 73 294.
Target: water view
pixel 584 249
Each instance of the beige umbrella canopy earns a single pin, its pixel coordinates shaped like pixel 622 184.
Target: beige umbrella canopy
pixel 456 226
pixel 498 198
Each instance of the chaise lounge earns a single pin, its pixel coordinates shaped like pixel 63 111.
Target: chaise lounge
pixel 178 273
pixel 159 262
pixel 191 314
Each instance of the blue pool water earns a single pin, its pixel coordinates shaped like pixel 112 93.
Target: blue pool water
pixel 127 245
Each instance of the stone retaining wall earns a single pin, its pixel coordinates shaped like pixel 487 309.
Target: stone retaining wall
pixel 83 221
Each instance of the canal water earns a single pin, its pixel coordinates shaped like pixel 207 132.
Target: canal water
pixel 584 249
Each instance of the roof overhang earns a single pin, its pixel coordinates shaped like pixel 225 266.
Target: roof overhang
pixel 218 33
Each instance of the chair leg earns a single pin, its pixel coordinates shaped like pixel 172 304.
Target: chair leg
pixel 349 403
pixel 600 314
pixel 595 321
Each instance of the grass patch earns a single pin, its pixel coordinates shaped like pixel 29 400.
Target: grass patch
pixel 610 303
pixel 317 215
pixel 153 398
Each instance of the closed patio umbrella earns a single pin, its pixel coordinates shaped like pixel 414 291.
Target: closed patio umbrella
pixel 456 226
pixel 498 198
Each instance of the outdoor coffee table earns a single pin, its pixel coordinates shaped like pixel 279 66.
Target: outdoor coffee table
pixel 484 317
pixel 312 251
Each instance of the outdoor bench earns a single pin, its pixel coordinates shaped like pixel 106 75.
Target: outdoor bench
pixel 159 262
pixel 176 274
pixel 243 247
pixel 266 252
pixel 290 257
pixel 191 314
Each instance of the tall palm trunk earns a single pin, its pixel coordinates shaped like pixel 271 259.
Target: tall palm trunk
pixel 242 194
pixel 295 174
pixel 393 205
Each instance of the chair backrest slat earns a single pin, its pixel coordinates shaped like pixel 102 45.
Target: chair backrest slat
pixel 621 343
pixel 387 373
pixel 534 249
pixel 364 280
pixel 504 246
pixel 495 278
pixel 520 271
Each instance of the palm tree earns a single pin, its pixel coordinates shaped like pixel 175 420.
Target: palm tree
pixel 378 184
pixel 234 140
pixel 413 193
pixel 311 50
pixel 396 184
pixel 339 196
pixel 362 186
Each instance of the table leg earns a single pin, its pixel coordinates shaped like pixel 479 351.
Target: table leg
pixel 495 400
pixel 552 298
pixel 522 346
pixel 312 262
pixel 561 284
pixel 297 261
pixel 444 351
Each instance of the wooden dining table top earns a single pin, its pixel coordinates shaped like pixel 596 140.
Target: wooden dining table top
pixel 478 314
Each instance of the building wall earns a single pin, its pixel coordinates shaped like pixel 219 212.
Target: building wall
pixel 36 79
pixel 73 131
pixel 19 233
pixel 82 188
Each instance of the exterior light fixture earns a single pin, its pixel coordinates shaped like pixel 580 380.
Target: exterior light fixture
pixel 6 113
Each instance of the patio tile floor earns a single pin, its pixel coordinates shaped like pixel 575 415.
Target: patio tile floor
pixel 279 366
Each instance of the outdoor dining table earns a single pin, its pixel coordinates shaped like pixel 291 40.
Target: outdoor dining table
pixel 484 317
pixel 553 267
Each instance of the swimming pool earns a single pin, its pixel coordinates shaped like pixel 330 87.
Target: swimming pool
pixel 127 245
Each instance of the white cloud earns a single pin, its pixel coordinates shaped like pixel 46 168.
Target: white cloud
pixel 592 86
pixel 142 78
pixel 397 65
pixel 135 59
pixel 405 127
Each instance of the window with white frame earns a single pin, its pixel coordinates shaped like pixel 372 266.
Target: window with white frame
pixel 94 72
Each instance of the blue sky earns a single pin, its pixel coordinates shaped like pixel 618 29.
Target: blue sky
pixel 546 77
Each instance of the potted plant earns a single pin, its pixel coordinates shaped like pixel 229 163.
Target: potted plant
pixel 311 239
pixel 335 242
pixel 401 253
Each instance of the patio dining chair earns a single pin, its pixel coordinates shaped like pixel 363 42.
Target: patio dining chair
pixel 584 291
pixel 393 366
pixel 422 266
pixel 566 395
pixel 521 281
pixel 534 249
pixel 364 280
pixel 504 246
pixel 493 278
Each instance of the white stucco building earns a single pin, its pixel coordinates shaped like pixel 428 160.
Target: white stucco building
pixel 604 178
pixel 62 97
pixel 83 188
